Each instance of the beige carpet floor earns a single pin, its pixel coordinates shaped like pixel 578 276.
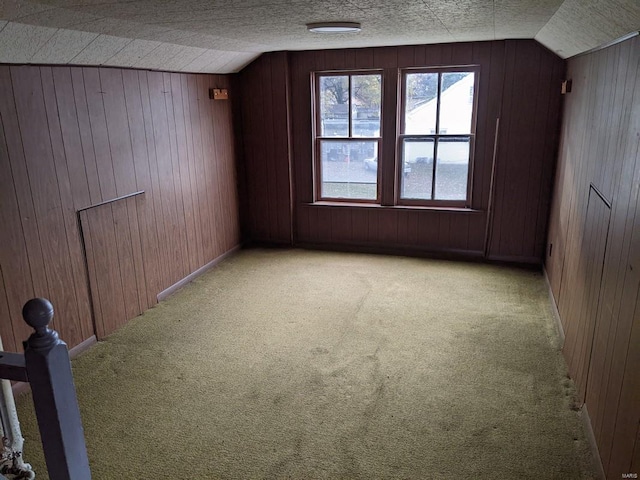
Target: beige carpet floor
pixel 310 365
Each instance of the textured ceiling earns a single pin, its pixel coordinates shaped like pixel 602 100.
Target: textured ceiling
pixel 222 36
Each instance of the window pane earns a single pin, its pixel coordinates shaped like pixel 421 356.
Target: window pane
pixel 334 106
pixel 349 169
pixel 456 102
pixel 452 168
pixel 417 168
pixel 365 105
pixel 421 103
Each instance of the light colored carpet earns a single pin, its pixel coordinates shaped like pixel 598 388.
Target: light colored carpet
pixel 305 365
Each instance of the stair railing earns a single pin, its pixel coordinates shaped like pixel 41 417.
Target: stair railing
pixel 45 364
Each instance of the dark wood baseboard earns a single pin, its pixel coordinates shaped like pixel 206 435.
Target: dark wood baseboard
pixel 407 251
pixel 515 259
pixel 192 276
pixel 412 251
pixel 554 308
pixel 20 388
pixel 584 414
pixel 586 422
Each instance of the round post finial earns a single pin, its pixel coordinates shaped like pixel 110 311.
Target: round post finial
pixel 38 313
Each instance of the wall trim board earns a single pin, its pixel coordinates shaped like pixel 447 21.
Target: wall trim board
pixel 290 154
pixel 103 66
pixel 588 429
pixel 554 307
pixel 192 276
pixel 408 208
pixel 83 347
pixel 20 388
pixel 121 197
pixel 515 259
pixel 624 38
pixel 398 250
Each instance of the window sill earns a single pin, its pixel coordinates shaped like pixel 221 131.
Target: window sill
pixel 325 203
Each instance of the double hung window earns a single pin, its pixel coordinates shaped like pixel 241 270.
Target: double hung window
pixel 435 110
pixel 436 135
pixel 348 111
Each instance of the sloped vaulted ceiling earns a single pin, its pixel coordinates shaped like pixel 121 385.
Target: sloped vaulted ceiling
pixel 222 36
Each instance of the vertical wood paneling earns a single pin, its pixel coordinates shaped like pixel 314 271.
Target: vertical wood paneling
pixel 14 256
pixel 9 342
pixel 143 206
pixel 193 203
pixel 265 120
pixel 599 145
pixel 83 120
pixel 635 461
pixel 216 193
pixel 158 193
pixel 529 105
pixel 23 258
pixel 45 194
pixel 162 137
pixel 121 149
pixel 526 151
pixel 77 289
pixel 73 137
pixel 110 288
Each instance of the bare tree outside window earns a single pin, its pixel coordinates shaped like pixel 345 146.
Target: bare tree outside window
pixel 436 132
pixel 348 135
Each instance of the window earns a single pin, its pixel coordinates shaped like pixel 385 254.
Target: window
pixel 347 135
pixel 434 142
pixel 436 136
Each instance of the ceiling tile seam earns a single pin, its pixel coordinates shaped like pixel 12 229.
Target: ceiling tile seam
pixel 213 62
pixel 181 42
pixel 165 60
pixel 494 19
pixel 106 3
pixel 43 43
pixel 91 43
pixel 206 50
pixel 208 65
pixel 32 13
pixel 235 58
pixel 550 18
pixel 168 61
pixel 196 33
pixel 4 26
pixel 437 18
pixel 73 26
pixel 213 9
pixel 141 58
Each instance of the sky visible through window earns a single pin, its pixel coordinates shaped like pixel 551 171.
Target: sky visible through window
pixel 350 107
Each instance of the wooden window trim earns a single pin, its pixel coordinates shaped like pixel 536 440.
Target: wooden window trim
pixel 466 203
pixel 453 205
pixel 318 138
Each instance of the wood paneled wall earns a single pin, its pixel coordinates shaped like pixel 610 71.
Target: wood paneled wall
pixel 594 263
pixel 519 82
pixel 267 207
pixel 73 137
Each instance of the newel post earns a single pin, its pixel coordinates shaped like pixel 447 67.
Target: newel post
pixel 54 397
